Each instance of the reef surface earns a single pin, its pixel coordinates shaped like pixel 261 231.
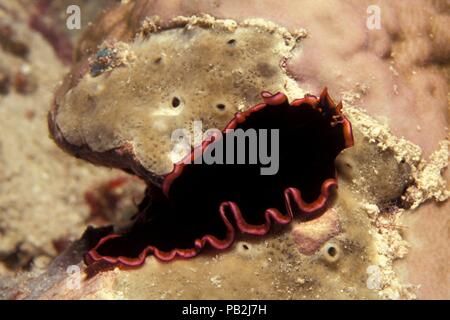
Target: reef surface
pixel 384 235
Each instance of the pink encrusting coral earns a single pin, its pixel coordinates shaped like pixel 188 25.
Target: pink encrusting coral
pixel 207 204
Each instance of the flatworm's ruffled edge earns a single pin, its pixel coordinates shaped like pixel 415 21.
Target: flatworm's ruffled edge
pixel 292 196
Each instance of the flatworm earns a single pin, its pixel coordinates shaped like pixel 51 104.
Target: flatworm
pixel 203 204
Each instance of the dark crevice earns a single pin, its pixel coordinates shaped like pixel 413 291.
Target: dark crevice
pixel 176 102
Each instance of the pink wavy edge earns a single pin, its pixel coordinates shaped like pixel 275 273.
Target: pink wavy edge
pixel 290 194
